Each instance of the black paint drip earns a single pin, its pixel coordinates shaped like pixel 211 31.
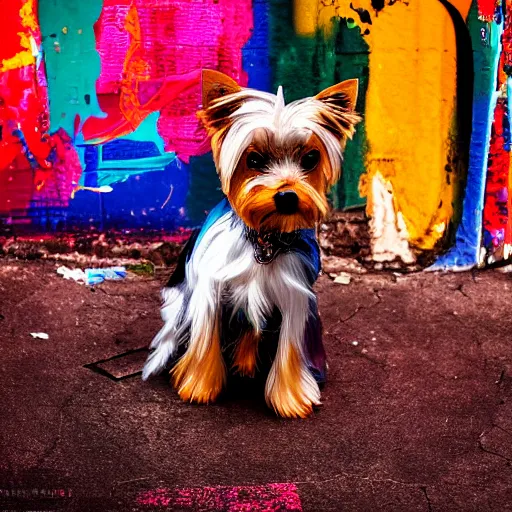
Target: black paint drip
pixel 378 5
pixel 364 15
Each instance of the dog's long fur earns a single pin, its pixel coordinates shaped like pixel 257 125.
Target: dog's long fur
pixel 219 267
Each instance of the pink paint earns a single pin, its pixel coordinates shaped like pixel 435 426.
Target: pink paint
pixel 176 38
pixel 112 42
pixel 256 498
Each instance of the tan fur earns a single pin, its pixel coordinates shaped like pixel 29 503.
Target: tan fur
pixel 201 374
pixel 257 207
pixel 200 377
pixel 246 353
pixel 286 395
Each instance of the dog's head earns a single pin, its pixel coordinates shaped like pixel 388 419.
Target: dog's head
pixel 276 162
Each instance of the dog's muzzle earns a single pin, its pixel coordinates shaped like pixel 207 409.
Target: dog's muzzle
pixel 287 202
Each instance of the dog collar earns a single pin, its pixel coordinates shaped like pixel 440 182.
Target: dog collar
pixel 267 245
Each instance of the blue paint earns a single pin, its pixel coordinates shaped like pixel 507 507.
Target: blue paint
pixel 486 41
pixel 255 54
pixel 141 177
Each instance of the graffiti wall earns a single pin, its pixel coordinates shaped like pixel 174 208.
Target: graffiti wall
pixel 98 101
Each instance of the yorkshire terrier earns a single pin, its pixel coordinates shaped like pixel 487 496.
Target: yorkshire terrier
pixel 256 257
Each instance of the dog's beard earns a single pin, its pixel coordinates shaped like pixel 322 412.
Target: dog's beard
pixel 255 205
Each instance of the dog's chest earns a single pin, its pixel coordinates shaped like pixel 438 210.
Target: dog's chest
pixel 225 261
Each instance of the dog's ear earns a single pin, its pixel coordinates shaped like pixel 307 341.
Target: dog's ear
pixel 338 113
pixel 214 85
pixel 344 94
pixel 215 112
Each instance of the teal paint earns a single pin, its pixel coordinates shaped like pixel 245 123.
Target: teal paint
pixel 72 62
pixel 147 131
pixel 352 61
pixel 204 188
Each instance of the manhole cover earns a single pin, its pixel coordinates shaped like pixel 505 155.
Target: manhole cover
pixel 122 366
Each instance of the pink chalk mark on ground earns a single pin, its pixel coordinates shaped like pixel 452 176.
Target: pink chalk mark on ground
pixel 255 498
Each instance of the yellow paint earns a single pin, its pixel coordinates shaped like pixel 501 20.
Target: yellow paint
pixel 306 16
pixel 410 104
pixel 24 57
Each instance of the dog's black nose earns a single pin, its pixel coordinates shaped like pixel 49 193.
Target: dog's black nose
pixel 287 202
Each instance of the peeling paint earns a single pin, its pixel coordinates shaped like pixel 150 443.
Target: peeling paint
pixel 389 236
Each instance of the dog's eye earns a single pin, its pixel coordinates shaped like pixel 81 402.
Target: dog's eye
pixel 310 160
pixel 256 161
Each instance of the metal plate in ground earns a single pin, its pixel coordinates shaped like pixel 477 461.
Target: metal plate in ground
pixel 121 366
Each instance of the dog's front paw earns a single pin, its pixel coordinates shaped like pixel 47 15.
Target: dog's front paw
pixel 199 381
pixel 291 390
pixel 292 403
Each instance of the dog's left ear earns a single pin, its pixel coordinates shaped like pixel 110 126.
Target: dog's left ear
pixel 215 86
pixel 339 102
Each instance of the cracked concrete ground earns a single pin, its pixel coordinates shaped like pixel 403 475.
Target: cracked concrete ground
pixel 417 411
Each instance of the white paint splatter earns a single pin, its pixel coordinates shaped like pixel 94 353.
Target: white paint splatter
pixel 389 237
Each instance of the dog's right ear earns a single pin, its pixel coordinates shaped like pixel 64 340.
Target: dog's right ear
pixel 215 86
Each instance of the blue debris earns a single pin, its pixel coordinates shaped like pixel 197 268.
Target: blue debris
pixel 98 275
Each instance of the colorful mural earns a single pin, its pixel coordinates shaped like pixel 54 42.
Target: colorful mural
pixel 98 101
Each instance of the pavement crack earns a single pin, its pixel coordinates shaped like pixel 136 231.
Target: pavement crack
pixel 429 504
pixel 491 452
pixel 508 432
pixel 376 293
pixel 372 360
pixel 460 289
pixel 352 315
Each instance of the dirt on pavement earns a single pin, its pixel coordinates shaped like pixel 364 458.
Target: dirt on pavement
pixel 416 415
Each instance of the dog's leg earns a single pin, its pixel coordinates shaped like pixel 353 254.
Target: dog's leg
pixel 246 353
pixel 291 388
pixel 165 343
pixel 200 374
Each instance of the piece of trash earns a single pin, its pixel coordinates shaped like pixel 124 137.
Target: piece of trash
pixel 77 274
pixel 92 276
pixel 343 278
pixel 355 343
pixel 40 335
pixel 98 275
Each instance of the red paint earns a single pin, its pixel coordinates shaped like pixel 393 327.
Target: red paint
pixel 506 39
pixel 486 9
pixel 496 211
pixel 257 498
pixel 50 170
pixel 118 124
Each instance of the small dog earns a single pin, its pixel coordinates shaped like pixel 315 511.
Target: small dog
pixel 254 262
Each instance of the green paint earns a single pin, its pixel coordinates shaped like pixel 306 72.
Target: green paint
pixel 145 268
pixel 72 62
pixel 306 65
